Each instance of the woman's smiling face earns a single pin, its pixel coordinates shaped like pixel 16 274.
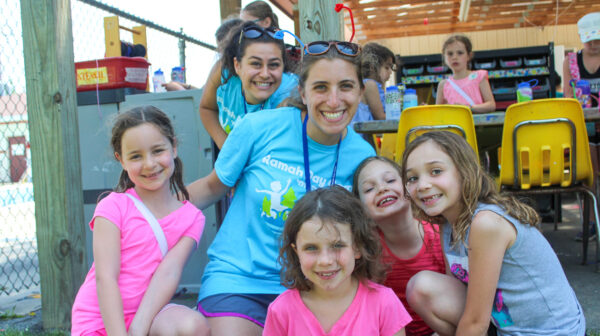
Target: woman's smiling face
pixel 260 71
pixel 331 93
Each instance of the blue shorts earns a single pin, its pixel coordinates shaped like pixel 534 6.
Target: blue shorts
pixel 252 307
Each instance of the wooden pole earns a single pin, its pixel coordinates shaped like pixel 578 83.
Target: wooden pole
pixel 229 7
pixel 52 113
pixel 319 21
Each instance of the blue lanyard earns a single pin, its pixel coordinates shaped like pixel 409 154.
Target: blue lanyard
pixel 245 109
pixel 306 161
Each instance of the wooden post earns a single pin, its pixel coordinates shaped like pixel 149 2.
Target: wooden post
pixel 229 7
pixel 52 113
pixel 319 21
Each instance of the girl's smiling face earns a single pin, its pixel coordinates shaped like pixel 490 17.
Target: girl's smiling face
pixel 331 93
pixel 148 157
pixel 381 191
pixel 327 255
pixel 260 71
pixel 433 181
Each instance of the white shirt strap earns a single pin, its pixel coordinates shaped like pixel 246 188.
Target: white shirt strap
pixel 158 232
pixel 461 92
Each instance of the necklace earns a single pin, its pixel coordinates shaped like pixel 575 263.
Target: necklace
pixel 306 161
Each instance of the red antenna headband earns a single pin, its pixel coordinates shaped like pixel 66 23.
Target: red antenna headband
pixel 338 8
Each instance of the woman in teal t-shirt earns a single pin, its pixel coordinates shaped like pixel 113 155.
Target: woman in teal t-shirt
pixel 272 158
pixel 250 76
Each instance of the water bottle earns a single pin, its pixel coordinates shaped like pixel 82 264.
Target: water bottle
pixel 392 103
pixel 582 92
pixel 410 98
pixel 177 74
pixel 157 80
pixel 524 91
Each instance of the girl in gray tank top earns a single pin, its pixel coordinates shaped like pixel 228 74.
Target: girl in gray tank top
pixel 500 267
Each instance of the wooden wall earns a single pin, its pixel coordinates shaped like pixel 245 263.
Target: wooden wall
pixel 494 39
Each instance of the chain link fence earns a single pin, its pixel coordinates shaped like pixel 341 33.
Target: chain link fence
pixel 19 269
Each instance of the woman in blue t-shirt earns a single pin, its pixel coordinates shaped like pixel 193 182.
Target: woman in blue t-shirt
pixel 250 76
pixel 267 157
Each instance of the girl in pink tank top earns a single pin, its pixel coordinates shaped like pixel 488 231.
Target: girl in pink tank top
pixel 464 87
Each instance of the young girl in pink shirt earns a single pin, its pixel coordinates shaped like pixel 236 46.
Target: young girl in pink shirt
pixel 409 245
pixel 330 258
pixel 144 232
pixel 464 87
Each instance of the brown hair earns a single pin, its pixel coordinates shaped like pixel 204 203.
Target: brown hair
pixel 261 10
pixel 373 57
pixel 308 61
pixel 331 205
pixel 477 185
pixel 235 47
pixel 136 117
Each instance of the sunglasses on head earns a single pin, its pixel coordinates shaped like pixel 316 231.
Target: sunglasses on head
pixel 321 47
pixel 254 32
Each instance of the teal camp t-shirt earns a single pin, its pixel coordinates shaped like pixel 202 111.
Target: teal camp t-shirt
pixel 231 101
pixel 263 158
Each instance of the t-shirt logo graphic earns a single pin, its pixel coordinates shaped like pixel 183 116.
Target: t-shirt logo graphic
pixel 277 204
pixel 500 312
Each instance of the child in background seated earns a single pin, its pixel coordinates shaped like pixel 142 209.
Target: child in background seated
pixel 585 64
pixel 502 268
pixel 464 87
pixel 377 64
pixel 409 245
pixel 330 257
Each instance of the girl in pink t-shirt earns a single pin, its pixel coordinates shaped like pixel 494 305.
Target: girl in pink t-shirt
pixel 137 266
pixel 464 87
pixel 330 258
pixel 409 245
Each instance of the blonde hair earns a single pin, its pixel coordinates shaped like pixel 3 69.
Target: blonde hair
pixel 477 186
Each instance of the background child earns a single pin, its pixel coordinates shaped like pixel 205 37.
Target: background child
pixel 585 64
pixel 464 87
pixel 129 286
pixel 377 63
pixel 260 13
pixel 502 265
pixel 409 245
pixel 330 256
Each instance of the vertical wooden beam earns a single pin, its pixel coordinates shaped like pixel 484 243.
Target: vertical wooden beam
pixel 112 39
pixel 229 7
pixel 320 21
pixel 52 113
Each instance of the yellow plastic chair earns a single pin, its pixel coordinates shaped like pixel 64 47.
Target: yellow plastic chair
pixel 385 145
pixel 545 150
pixel 417 120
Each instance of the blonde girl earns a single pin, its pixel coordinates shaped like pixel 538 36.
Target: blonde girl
pixel 500 266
